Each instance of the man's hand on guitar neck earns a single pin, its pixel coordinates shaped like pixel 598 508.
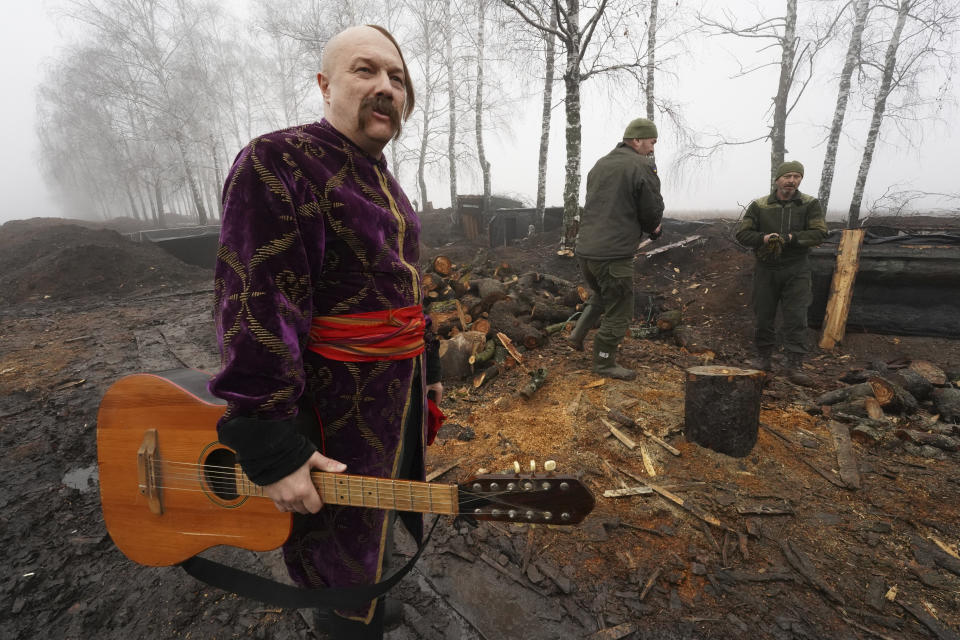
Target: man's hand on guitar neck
pixel 296 492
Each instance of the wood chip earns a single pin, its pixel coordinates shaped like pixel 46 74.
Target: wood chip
pixel 647 462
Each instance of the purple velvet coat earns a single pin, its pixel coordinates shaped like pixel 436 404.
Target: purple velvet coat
pixel 314 226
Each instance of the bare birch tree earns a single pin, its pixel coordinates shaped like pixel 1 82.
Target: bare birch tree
pixel 651 58
pixel 479 102
pixel 610 55
pixel 924 31
pixel 850 61
pixel 426 55
pixel 452 112
pixel 792 81
pixel 549 55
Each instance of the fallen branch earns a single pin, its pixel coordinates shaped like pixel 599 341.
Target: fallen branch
pixel 846 459
pixel 677 500
pixel 630 422
pixel 801 563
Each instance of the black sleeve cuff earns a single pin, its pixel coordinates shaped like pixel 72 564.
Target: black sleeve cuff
pixel 267 450
pixel 432 361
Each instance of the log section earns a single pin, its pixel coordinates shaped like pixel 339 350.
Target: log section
pixel 722 408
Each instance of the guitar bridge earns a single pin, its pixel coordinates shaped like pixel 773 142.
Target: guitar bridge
pixel 148 471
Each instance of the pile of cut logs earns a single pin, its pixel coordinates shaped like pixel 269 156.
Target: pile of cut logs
pixel 470 305
pixel 486 315
pixel 915 401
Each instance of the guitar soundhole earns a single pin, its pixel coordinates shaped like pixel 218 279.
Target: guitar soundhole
pixel 218 472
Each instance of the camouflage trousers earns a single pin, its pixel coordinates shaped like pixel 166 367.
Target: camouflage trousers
pixel 789 288
pixel 611 282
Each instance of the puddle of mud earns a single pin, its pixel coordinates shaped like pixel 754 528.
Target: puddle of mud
pixel 83 480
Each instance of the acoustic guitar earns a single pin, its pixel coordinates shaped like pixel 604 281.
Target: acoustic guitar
pixel 170 490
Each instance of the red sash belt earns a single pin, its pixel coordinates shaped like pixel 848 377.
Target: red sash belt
pixel 391 334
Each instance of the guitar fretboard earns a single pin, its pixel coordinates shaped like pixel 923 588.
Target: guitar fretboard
pixel 377 493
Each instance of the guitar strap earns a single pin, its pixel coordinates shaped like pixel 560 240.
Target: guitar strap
pixel 250 585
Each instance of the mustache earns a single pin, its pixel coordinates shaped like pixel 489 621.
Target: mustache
pixel 380 104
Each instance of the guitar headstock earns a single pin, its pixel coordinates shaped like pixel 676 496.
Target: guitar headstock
pixel 530 498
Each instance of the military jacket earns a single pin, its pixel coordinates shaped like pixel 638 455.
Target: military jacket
pixel 802 216
pixel 623 201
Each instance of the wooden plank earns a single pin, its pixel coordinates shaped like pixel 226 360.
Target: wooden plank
pixel 846 458
pixel 841 288
pixel 433 475
pixel 622 437
pixel 628 491
pixel 672 245
pixel 627 421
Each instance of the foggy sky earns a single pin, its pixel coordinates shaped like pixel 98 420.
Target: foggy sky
pixel 711 99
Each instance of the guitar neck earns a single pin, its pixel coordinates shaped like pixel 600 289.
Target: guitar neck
pixel 376 493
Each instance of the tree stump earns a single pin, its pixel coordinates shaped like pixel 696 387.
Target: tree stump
pixel 722 408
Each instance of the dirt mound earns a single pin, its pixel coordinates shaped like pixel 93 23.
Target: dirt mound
pixel 58 259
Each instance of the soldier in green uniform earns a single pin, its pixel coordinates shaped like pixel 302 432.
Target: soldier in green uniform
pixel 781 228
pixel 623 201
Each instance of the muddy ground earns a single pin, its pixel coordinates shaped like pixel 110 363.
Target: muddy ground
pixel 797 554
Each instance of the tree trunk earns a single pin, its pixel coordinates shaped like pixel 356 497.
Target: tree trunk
pixel 571 80
pixel 722 408
pixel 143 204
pixel 571 188
pixel 946 401
pixel 422 160
pixel 545 121
pixel 481 154
pixel 778 131
pixel 218 177
pixel 455 354
pixel 862 8
pixel 844 394
pixel 191 182
pixel 651 56
pixel 452 108
pixel 158 196
pixel 889 66
pixel 133 204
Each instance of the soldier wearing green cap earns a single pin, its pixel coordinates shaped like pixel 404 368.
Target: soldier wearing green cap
pixel 623 201
pixel 781 228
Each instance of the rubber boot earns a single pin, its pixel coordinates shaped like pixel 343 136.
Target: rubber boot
pixel 795 373
pixel 604 363
pixel 763 360
pixel 587 320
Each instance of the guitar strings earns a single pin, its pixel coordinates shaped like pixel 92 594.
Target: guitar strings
pixel 408 490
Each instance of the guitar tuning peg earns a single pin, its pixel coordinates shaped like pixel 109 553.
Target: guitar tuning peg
pixel 533 467
pixel 550 466
pixel 516 467
pixel 481 471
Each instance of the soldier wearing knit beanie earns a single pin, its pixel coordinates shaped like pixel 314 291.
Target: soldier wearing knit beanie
pixel 640 129
pixel 791 166
pixel 623 203
pixel 781 228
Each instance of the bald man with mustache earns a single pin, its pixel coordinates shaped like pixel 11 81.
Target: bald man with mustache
pixel 327 355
